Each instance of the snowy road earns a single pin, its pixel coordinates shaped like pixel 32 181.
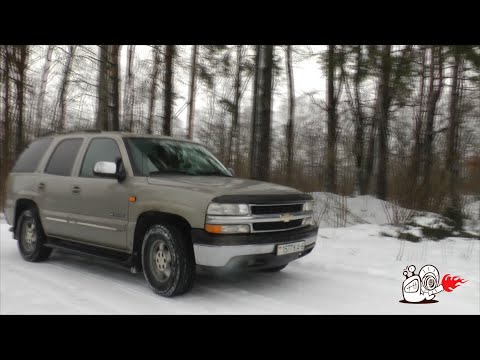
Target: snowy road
pixel 352 270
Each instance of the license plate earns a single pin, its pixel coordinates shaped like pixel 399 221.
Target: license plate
pixel 290 248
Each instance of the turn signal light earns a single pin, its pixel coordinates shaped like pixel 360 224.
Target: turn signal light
pixel 214 229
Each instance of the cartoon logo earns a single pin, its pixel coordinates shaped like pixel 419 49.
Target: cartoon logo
pixel 422 287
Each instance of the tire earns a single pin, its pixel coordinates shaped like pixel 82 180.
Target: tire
pixel 31 238
pixel 275 269
pixel 168 260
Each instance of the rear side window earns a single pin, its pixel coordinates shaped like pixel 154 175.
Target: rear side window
pixel 31 156
pixel 99 150
pixel 62 159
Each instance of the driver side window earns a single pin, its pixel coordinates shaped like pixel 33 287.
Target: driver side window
pixel 99 149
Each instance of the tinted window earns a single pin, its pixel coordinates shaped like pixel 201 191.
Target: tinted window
pixel 99 150
pixel 62 159
pixel 31 156
pixel 154 156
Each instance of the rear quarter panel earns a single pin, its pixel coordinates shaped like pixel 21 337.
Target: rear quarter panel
pixel 19 186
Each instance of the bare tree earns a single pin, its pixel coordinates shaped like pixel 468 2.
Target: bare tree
pixel 113 88
pixel 168 90
pixel 21 67
pixel 43 89
pixel 153 88
pixel 419 121
pixel 234 130
pixel 254 122
pixel 260 167
pixel 452 156
pixel 332 119
pixel 434 91
pixel 5 164
pixel 291 112
pixel 102 92
pixel 191 90
pixel 128 94
pixel 359 118
pixel 64 87
pixel 382 112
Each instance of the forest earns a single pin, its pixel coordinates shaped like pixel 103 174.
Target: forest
pixel 399 122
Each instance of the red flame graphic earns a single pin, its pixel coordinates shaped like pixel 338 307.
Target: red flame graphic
pixel 450 282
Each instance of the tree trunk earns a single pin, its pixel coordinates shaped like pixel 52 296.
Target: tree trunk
pixel 21 63
pixel 254 121
pixel 168 90
pixel 113 91
pixel 369 158
pixel 153 89
pixel 191 92
pixel 383 104
pixel 330 181
pixel 128 95
pixel 360 187
pixel 5 165
pixel 102 107
pixel 291 113
pixel 64 88
pixel 452 161
pixel 419 119
pixel 261 154
pixel 234 133
pixel 434 93
pixel 42 92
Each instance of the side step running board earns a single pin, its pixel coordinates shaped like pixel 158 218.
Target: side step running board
pixel 116 256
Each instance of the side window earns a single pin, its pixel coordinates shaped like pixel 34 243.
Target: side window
pixel 99 150
pixel 31 156
pixel 62 159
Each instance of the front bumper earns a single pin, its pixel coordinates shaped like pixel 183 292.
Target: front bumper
pixel 249 250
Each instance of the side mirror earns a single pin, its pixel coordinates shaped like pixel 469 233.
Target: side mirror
pixel 109 169
pixel 105 169
pixel 231 171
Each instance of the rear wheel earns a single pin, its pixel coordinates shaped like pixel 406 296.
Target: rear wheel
pixel 168 261
pixel 31 237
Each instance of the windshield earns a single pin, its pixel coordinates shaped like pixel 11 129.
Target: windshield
pixel 154 156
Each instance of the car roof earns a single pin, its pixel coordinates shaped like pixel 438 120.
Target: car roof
pixel 122 134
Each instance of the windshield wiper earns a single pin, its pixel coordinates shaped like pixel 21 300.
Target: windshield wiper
pixel 207 173
pixel 169 171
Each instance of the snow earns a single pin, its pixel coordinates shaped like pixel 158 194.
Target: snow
pixel 333 210
pixel 352 270
pixel 472 210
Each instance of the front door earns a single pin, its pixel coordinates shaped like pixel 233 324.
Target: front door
pixel 101 204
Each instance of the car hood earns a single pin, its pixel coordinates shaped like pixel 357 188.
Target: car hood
pixel 220 185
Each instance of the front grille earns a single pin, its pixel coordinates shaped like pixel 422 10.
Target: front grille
pixel 276 209
pixel 278 225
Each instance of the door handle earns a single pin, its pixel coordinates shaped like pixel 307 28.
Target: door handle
pixel 41 186
pixel 76 189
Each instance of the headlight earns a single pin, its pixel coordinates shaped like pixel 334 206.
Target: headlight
pixel 227 229
pixel 308 206
pixel 227 209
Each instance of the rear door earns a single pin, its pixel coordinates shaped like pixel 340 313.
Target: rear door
pixel 54 186
pixel 101 204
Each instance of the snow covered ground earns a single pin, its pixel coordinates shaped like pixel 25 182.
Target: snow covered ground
pixel 352 270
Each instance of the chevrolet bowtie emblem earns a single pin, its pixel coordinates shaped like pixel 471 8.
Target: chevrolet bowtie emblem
pixel 286 217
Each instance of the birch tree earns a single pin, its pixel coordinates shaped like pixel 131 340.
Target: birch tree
pixel 43 89
pixel 63 90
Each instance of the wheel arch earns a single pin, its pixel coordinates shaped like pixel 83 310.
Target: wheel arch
pixel 146 220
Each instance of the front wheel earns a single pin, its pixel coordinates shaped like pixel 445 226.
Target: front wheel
pixel 31 237
pixel 168 260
